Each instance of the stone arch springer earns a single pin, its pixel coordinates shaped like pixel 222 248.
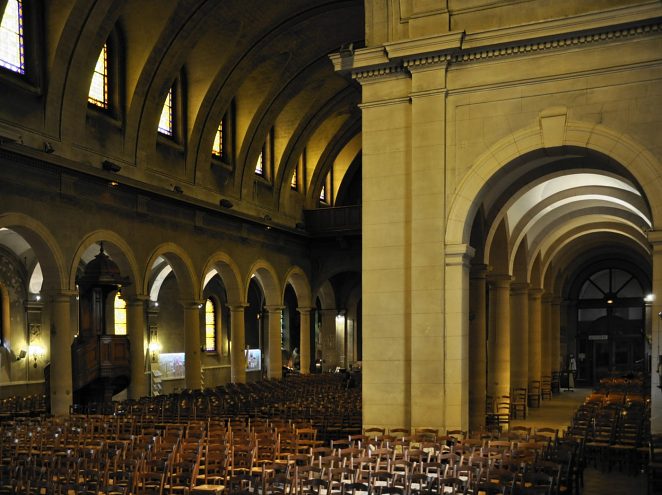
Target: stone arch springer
pixel 268 279
pixel 47 249
pixel 119 242
pixel 229 272
pixel 297 278
pixel 183 267
pixel 632 155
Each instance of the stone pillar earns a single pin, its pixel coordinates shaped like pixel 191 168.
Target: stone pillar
pixel 304 340
pixel 499 336
pixel 136 329
pixel 535 334
pixel 456 342
pixel 555 334
pixel 330 354
pixel 386 287
pixel 237 344
pixel 61 382
pixel 546 336
pixel 274 355
pixel 477 346
pixel 519 337
pixel 655 238
pixel 193 364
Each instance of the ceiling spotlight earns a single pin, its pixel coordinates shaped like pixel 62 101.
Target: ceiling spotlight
pixel 110 166
pixel 226 203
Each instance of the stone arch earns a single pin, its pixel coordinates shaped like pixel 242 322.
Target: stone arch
pixel 182 266
pixel 639 162
pixel 48 251
pixel 229 272
pixel 268 279
pixel 119 251
pixel 296 277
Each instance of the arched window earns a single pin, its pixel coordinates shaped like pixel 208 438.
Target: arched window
pixel 167 115
pixel 294 183
pixel 12 54
pixel 120 315
pixel 210 326
pixel 98 94
pixel 259 165
pixel 217 149
pixel 323 193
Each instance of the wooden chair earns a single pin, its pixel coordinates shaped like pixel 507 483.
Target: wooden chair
pixel 534 397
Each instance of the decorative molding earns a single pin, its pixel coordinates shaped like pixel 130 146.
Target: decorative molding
pixel 458 47
pixel 554 43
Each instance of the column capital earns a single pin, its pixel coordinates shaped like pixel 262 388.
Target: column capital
pixel 520 288
pixel 235 308
pixel 557 300
pixel 459 254
pixel 535 293
pixel 478 270
pixel 191 303
pixel 271 308
pixel 499 280
pixel 304 309
pixel 136 300
pixel 655 238
pixel 55 295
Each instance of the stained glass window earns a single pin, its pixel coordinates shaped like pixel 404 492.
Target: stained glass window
pixel 217 149
pixel 210 326
pixel 11 37
pixel 294 183
pixel 259 166
pixel 165 122
pixel 98 94
pixel 120 315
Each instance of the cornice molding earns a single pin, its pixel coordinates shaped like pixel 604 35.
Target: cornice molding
pixel 402 57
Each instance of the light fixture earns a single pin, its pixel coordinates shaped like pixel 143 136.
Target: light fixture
pixel 649 298
pixel 110 166
pixel 610 301
pixel 35 352
pixel 154 349
pixel 48 147
pixel 113 183
pixel 21 355
pixel 177 189
pixel 226 203
pixel 37 297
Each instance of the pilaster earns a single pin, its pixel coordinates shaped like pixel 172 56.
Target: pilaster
pixel 274 354
pixel 519 341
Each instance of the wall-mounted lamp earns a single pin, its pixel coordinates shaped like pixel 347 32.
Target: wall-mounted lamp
pixel 21 355
pixel 35 352
pixel 225 203
pixel 48 147
pixel 109 166
pixel 154 350
pixel 177 189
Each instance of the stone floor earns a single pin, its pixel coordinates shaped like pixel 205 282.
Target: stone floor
pixel 557 413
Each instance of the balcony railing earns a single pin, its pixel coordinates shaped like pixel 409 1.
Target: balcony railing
pixel 334 220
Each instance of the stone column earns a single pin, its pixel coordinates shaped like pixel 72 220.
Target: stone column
pixel 136 329
pixel 439 333
pixel 330 353
pixel 61 382
pixel 238 344
pixel 519 338
pixel 499 336
pixel 535 334
pixel 274 356
pixel 193 364
pixel 546 336
pixel 456 342
pixel 304 340
pixel 477 346
pixel 386 288
pixel 655 238
pixel 555 334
